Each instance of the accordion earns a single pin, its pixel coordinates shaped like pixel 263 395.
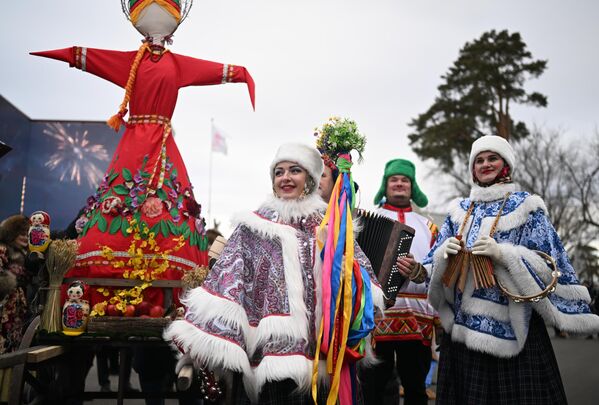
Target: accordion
pixel 383 241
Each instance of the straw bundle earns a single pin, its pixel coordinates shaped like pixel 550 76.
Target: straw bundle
pixel 60 258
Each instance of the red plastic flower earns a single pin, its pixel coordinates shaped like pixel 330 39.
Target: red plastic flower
pixel 112 206
pixel 152 207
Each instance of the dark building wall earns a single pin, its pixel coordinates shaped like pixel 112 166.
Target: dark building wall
pixel 64 161
pixel 15 128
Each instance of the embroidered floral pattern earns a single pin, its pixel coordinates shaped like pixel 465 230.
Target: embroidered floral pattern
pixel 124 196
pixel 535 233
pixel 12 314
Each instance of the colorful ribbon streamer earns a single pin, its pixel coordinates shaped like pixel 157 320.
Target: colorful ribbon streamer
pixel 348 310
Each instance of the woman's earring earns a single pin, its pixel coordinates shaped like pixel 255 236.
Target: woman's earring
pixel 304 192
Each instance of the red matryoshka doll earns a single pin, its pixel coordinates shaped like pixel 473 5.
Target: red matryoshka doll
pixel 75 310
pixel 39 231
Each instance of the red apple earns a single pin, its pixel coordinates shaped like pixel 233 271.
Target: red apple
pixel 157 311
pixel 129 310
pixel 143 308
pixel 112 311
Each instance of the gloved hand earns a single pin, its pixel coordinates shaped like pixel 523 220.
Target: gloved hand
pixel 487 246
pixel 452 247
pixel 184 360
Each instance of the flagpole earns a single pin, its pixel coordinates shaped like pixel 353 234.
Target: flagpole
pixel 210 174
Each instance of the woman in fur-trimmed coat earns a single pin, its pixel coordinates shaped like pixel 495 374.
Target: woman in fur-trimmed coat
pixel 257 312
pixel 495 350
pixel 13 307
pixel 13 284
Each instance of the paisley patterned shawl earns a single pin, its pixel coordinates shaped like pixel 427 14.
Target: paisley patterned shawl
pixel 255 312
pixel 484 319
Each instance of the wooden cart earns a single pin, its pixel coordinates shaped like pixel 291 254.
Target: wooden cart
pixel 47 363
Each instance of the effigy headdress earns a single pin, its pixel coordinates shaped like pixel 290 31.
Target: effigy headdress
pixel 177 8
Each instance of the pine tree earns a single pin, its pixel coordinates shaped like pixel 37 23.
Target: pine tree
pixel 475 99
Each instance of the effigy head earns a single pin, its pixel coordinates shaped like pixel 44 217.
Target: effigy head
pixel 156 20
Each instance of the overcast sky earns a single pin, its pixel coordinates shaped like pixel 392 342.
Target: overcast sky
pixel 377 62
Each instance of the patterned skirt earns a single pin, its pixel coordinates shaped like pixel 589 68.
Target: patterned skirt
pixel 530 378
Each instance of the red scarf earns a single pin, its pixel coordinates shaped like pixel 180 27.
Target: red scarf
pixel 401 217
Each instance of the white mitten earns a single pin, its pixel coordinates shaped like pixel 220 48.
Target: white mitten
pixel 452 247
pixel 184 360
pixel 487 246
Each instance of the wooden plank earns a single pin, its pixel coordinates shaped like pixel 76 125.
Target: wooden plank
pixel 44 353
pixel 35 354
pixel 8 360
pixel 117 282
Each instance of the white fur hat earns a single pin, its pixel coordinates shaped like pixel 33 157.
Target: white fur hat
pixel 493 143
pixel 304 155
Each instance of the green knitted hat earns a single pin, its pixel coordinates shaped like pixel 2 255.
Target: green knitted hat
pixel 405 168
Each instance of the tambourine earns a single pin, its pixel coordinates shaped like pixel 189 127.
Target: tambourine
pixel 555 274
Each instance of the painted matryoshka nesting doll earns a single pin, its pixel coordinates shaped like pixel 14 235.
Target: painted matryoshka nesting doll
pixel 39 232
pixel 75 311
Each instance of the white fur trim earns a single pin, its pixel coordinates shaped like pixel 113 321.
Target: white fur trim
pixel 573 292
pixel 491 193
pixel 478 306
pixel 457 214
pixel 370 359
pixel 439 296
pixel 484 343
pixel 324 379
pixel 306 156
pixel 508 221
pixel 378 297
pixel 293 210
pixel 206 349
pixel 519 216
pixel 278 368
pixel 204 306
pixel 296 324
pixel 526 285
pixel 358 225
pixel 436 293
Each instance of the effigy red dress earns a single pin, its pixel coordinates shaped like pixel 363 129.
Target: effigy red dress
pixel 146 184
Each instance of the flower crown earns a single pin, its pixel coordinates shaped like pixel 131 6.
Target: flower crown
pixel 338 136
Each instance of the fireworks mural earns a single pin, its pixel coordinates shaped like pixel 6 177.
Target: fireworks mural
pixel 62 161
pixel 76 158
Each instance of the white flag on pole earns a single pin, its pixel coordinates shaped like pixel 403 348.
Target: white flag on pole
pixel 219 140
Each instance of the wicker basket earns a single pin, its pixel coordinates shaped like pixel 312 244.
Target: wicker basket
pixel 130 326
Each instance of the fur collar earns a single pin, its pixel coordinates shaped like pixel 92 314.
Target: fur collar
pixel 491 193
pixel 293 210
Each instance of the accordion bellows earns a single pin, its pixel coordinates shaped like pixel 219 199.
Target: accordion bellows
pixel 383 241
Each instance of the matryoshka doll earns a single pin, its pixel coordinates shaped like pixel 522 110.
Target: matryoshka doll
pixel 75 310
pixel 39 232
